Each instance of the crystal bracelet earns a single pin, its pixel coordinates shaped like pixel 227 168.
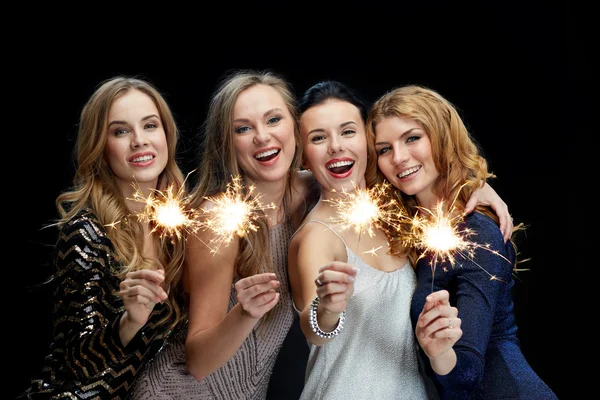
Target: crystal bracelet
pixel 314 325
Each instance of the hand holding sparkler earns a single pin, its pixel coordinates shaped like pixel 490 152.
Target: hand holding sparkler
pixel 335 286
pixel 257 294
pixel 437 329
pixel 140 291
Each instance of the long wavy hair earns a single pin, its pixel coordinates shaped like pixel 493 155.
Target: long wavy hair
pixel 218 163
pixel 455 154
pixel 95 186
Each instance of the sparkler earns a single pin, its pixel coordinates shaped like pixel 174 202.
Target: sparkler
pixel 232 213
pixel 439 233
pixel 363 209
pixel 434 232
pixel 167 210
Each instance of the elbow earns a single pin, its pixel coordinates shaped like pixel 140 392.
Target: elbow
pixel 193 364
pixel 196 372
pixel 197 364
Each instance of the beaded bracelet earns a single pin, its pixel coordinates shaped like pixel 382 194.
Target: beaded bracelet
pixel 314 325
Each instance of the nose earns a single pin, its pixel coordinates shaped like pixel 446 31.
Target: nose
pixel 400 155
pixel 262 135
pixel 138 139
pixel 335 145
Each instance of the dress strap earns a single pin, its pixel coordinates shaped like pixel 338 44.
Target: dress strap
pixel 322 223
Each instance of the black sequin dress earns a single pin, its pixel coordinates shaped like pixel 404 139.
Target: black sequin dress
pixel 86 358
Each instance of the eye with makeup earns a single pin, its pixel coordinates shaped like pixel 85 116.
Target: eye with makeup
pixel 383 150
pixel 151 125
pixel 348 132
pixel 317 138
pixel 120 131
pixel 242 129
pixel 273 120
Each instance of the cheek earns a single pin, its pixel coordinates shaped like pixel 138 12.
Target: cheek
pixel 382 164
pixel 309 155
pixel 239 145
pixel 111 152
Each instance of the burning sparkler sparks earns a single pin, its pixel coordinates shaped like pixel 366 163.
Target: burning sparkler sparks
pixel 439 234
pixel 361 209
pixel 232 213
pixel 167 211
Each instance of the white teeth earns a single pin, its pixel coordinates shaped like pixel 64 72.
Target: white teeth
pixel 266 153
pixel 409 171
pixel 143 158
pixel 340 164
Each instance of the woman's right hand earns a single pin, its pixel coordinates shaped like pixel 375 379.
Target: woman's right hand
pixel 257 294
pixel 335 286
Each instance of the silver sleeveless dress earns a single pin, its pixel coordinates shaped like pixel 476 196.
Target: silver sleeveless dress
pixel 246 375
pixel 375 355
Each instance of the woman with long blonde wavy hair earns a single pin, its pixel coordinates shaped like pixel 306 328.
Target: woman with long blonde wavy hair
pixel 426 152
pixel 116 295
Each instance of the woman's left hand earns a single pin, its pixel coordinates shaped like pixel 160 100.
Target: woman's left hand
pixel 487 196
pixel 140 291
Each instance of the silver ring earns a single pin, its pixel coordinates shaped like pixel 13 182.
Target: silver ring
pixel 318 282
pixel 449 323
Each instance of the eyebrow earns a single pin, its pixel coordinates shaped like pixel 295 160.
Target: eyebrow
pixel 342 125
pixel 402 135
pixel 119 122
pixel 271 111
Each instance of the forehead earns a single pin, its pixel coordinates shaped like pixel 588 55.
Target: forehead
pixel 131 104
pixel 332 112
pixel 394 125
pixel 258 99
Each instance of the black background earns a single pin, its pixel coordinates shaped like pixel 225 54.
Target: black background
pixel 514 70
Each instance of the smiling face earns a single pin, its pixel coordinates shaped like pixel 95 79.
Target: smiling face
pixel 405 158
pixel 263 134
pixel 136 146
pixel 335 145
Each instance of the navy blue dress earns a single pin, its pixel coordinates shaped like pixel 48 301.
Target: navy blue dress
pixel 490 364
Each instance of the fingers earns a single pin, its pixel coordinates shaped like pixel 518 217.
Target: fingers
pixel 257 293
pixel 440 296
pixel 442 328
pixel 145 283
pixel 257 296
pixel 506 221
pixel 256 280
pixel 470 206
pixel 339 266
pixel 157 276
pixel 338 272
pixel 440 310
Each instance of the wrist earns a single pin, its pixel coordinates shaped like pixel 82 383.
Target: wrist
pixel 444 363
pixel 314 323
